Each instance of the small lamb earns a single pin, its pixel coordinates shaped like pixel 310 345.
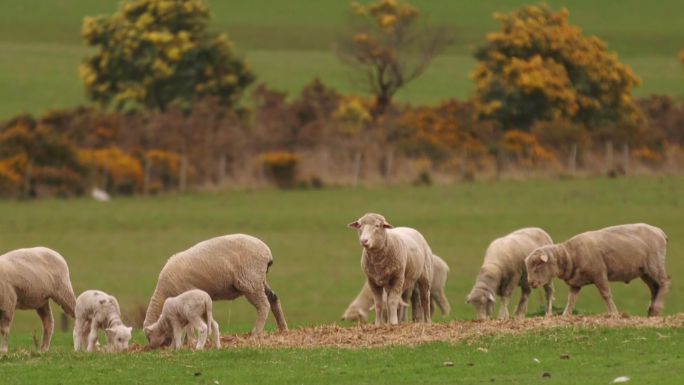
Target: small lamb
pixel 504 269
pixel 613 254
pixel 394 260
pixel 29 279
pixel 97 310
pixel 187 309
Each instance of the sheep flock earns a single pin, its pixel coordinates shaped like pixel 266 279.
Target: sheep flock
pixel 401 274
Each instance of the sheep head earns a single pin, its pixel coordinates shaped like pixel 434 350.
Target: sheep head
pixel 542 266
pixel 372 230
pixel 483 301
pixel 119 335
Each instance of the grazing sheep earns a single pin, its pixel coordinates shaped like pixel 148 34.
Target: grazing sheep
pixel 29 278
pixel 504 269
pixel 364 302
pixel 184 311
pixel 225 267
pixel 98 310
pixel 394 259
pixel 613 254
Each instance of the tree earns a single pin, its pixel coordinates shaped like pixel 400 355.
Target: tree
pixel 539 67
pixel 388 48
pixel 156 52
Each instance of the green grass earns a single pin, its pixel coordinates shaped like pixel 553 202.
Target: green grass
pixel 121 246
pixel 289 43
pixel 597 356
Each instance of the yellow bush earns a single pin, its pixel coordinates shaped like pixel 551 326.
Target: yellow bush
pixel 645 154
pixel 525 147
pixel 282 167
pixel 121 167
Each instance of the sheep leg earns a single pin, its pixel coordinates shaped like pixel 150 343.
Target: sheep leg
pixel 424 291
pixel 379 303
pixel 92 336
pixel 45 314
pixel 201 331
pixel 189 337
pixel 548 290
pixel 394 293
pixel 659 289
pixel 259 300
pixel 177 334
pixel 215 335
pixel 416 309
pixel 522 304
pixel 78 334
pixel 276 308
pixel 572 297
pixel 442 302
pixel 407 295
pixel 604 290
pixel 6 317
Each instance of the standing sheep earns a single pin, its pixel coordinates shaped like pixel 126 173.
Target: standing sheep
pixel 363 303
pixel 225 267
pixel 29 278
pixel 394 259
pixel 98 310
pixel 504 269
pixel 613 254
pixel 184 311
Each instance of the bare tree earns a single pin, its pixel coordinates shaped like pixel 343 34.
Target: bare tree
pixel 387 48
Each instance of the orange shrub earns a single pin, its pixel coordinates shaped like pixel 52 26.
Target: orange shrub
pixel 282 167
pixel 525 147
pixel 122 168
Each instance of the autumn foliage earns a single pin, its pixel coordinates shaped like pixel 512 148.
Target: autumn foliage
pixel 539 67
pixel 155 52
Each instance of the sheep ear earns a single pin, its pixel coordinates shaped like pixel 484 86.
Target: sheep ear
pixel 387 225
pixel 354 224
pixel 544 258
pixel 491 297
pixel 102 301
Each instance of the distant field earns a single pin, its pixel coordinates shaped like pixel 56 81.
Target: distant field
pixel 289 43
pixel 121 246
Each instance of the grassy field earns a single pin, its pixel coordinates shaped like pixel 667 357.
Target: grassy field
pixel 289 43
pixel 121 246
pixel 596 356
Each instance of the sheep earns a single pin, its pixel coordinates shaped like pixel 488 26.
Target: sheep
pixel 184 311
pixel 225 267
pixel 98 310
pixel 363 303
pixel 394 259
pixel 503 269
pixel 29 278
pixel 612 254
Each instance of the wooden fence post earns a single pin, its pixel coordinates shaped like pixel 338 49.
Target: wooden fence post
pixel 183 173
pixel 625 158
pixel 146 176
pixel 357 167
pixel 609 155
pixel 390 160
pixel 464 163
pixel 573 157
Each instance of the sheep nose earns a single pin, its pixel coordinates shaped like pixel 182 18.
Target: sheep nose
pixel 364 242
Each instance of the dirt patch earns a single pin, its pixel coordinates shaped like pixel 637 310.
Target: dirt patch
pixel 409 334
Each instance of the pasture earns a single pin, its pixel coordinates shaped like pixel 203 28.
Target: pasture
pixel 121 246
pixel 290 43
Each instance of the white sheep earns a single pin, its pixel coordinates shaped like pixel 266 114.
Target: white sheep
pixel 192 310
pixel 394 259
pixel 364 302
pixel 97 310
pixel 226 268
pixel 29 278
pixel 504 269
pixel 612 254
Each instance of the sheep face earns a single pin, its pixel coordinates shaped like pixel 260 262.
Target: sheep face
pixel 483 302
pixel 155 336
pixel 372 230
pixel 357 315
pixel 119 335
pixel 541 267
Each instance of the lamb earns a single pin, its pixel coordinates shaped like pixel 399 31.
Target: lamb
pixel 363 303
pixel 504 269
pixel 29 278
pixel 225 267
pixel 394 259
pixel 612 254
pixel 183 311
pixel 98 310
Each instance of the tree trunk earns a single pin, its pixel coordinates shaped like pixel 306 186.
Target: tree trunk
pixel 357 168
